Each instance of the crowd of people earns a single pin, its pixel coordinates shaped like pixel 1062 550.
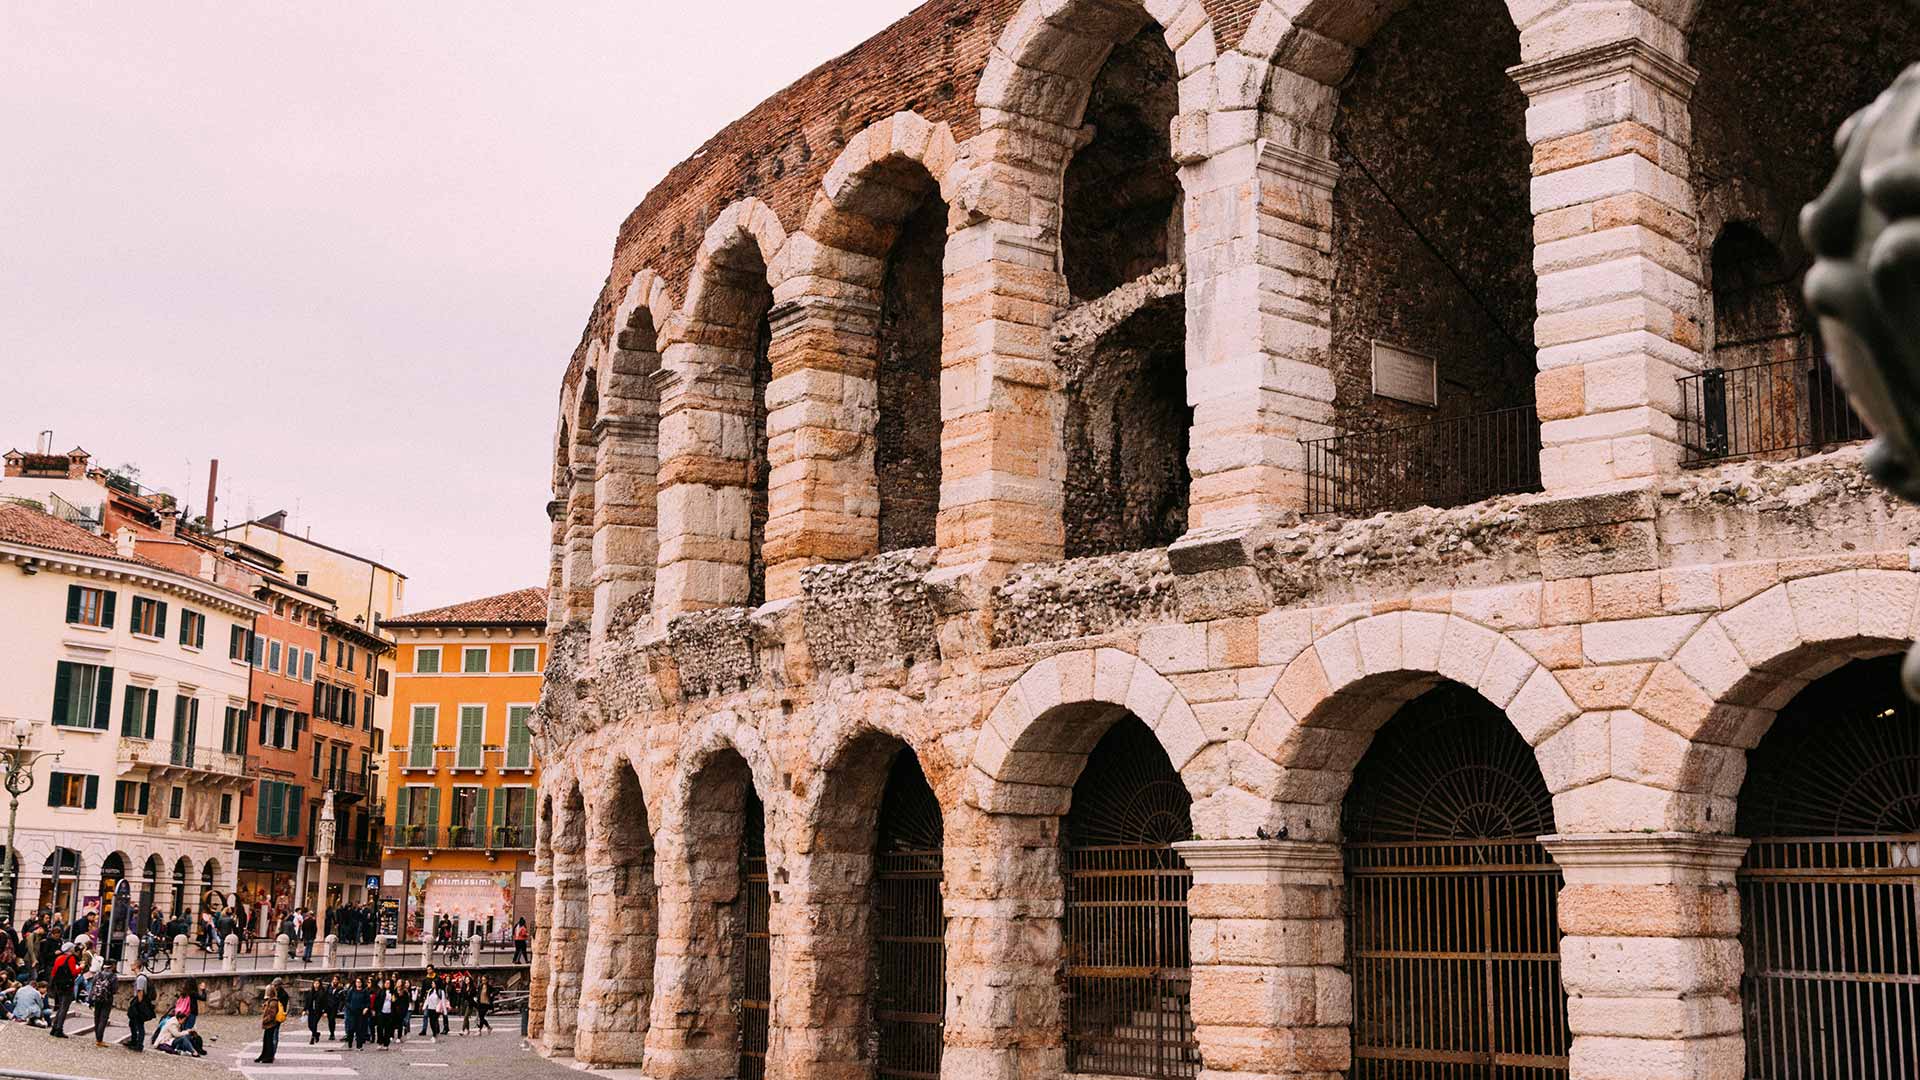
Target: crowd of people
pixel 376 1008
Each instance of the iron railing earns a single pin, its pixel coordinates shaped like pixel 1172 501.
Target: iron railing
pixel 1450 462
pixel 1128 977
pixel 460 837
pixel 471 757
pixel 345 781
pixel 171 755
pixel 1789 407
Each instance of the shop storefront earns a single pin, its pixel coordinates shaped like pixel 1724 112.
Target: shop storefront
pixel 478 902
pixel 266 882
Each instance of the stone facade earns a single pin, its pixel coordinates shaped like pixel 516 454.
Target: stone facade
pixel 722 440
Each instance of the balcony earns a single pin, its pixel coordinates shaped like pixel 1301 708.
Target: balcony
pixel 1440 463
pixel 460 838
pixel 1787 408
pixel 347 785
pixel 178 759
pixel 471 759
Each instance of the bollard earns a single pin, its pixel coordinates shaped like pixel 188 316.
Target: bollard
pixel 180 950
pixel 473 949
pixel 426 950
pixel 380 953
pixel 327 949
pixel 280 953
pixel 230 952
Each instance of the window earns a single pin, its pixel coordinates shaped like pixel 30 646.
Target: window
pixel 512 818
pixel 417 814
pixel 186 728
pixel 279 607
pixel 300 579
pixel 136 716
pixel 73 790
pixel 89 607
pixel 257 649
pixel 473 724
pixel 177 803
pixel 273 657
pixel 306 667
pixel 318 745
pixel 426 661
pixel 238 645
pixel 519 737
pixel 82 695
pixel 467 815
pixel 349 652
pixel 282 722
pixel 323 648
pixel 279 810
pixel 193 629
pixel 526 659
pixel 382 682
pixel 420 750
pixel 299 725
pixel 130 797
pixel 366 712
pixel 474 661
pixel 226 808
pixel 149 617
pixel 233 732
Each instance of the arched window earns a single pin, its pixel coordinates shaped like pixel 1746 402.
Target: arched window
pixel 60 882
pixel 909 927
pixel 1454 936
pixel 754 941
pixel 1830 887
pixel 1128 977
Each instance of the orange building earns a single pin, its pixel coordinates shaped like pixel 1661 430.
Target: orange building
pixel 460 772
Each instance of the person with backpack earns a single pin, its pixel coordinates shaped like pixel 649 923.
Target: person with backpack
pixel 62 982
pixel 139 1009
pixel 273 1013
pixel 102 981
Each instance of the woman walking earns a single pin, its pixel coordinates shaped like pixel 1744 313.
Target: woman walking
pixel 273 1013
pixel 358 1002
pixel 101 984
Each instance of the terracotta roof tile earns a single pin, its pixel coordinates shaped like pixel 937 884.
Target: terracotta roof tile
pixel 22 524
pixel 527 606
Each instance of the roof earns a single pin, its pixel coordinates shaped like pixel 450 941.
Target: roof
pixel 28 527
pixel 260 524
pixel 521 607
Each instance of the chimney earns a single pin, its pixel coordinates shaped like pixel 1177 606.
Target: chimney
pixel 123 542
pixel 213 482
pixel 170 521
pixel 275 520
pixel 77 463
pixel 208 568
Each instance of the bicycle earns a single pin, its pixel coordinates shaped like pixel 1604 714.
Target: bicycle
pixel 156 955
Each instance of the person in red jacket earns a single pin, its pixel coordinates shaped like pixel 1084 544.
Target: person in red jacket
pixel 66 972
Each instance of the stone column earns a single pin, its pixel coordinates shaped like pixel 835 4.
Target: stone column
pixel 1271 994
pixel 822 498
pixel 1002 473
pixel 579 563
pixel 706 443
pixel 557 561
pixel 617 984
pixel 693 1032
pixel 540 963
pixel 566 945
pixel 1617 258
pixel 625 504
pixel 1259 328
pixel 821 965
pixel 1004 901
pixel 1651 953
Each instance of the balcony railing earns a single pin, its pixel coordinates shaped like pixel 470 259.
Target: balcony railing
pixel 472 758
pixel 348 782
pixel 1441 463
pixel 1789 407
pixel 460 837
pixel 168 755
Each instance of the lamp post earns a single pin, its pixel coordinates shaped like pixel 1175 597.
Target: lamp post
pixel 18 760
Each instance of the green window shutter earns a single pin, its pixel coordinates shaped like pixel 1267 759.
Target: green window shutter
pixel 145 790
pixel 473 720
pixel 63 676
pixel 103 700
pixel 131 710
pixel 73 603
pixel 93 792
pixel 296 807
pixel 186 630
pixel 54 788
pixel 160 618
pixel 499 819
pixel 106 609
pixel 179 718
pixel 519 737
pixel 526 818
pixel 260 809
pixel 433 809
pixel 153 709
pixel 200 632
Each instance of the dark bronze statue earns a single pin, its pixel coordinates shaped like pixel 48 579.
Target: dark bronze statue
pixel 1864 231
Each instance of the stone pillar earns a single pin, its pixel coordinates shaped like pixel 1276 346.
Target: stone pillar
pixel 230 952
pixel 706 444
pixel 692 1033
pixel 1259 328
pixel 617 981
pixel 1004 900
pixel 1002 465
pixel 1617 258
pixel 329 948
pixel 1651 953
pixel 539 968
pixel 821 965
pixel 822 498
pixel 625 497
pixel 380 952
pixel 566 944
pixel 557 561
pixel 1271 994
pixel 280 949
pixel 580 517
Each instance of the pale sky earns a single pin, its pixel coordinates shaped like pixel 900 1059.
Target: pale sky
pixel 347 247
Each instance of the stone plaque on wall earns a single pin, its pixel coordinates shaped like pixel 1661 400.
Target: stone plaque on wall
pixel 1404 375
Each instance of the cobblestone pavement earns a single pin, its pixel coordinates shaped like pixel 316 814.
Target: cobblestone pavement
pixel 236 1042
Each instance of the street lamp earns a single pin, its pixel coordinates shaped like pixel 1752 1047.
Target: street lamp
pixel 18 760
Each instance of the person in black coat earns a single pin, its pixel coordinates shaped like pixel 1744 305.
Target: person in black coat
pixel 359 1003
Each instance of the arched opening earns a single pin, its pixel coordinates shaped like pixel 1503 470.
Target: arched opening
pixel 1453 931
pixel 1433 292
pixel 626 477
pixel 60 882
pixel 753 941
pixel 11 867
pixel 1121 349
pixel 1127 972
pixel 909 927
pixel 1831 882
pixel 149 890
pixel 580 501
pixel 906 455
pixel 209 884
pixel 732 310
pixel 623 927
pixel 113 870
pixel 182 880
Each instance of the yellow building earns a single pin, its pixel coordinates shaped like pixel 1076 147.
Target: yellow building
pixel 460 773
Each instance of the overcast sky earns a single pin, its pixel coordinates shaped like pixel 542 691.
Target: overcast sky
pixel 347 247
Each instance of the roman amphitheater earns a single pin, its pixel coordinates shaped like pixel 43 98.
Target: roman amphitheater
pixel 1266 538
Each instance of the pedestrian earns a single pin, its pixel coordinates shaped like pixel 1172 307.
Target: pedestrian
pixel 102 981
pixel 311 1004
pixel 358 1003
pixel 66 973
pixel 385 1001
pixel 483 1000
pixel 521 939
pixel 273 1013
pixel 336 997
pixel 139 1009
pixel 309 929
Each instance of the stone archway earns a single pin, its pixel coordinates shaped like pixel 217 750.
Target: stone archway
pixel 622 924
pixel 567 924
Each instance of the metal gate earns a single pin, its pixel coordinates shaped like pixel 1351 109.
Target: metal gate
pixel 1128 977
pixel 909 929
pixel 1452 905
pixel 755 943
pixel 1831 883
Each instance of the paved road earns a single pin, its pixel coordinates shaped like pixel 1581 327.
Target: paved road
pixel 499 1055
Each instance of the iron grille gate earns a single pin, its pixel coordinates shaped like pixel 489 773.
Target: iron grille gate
pixel 755 944
pixel 1128 977
pixel 1830 887
pixel 1452 905
pixel 909 929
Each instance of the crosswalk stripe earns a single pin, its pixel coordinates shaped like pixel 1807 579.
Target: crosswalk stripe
pixel 298 1070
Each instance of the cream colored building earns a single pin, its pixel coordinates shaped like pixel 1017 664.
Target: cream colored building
pixel 136 675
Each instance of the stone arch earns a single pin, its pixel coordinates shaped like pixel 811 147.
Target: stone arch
pixel 1716 698
pixel 647 292
pixel 1333 696
pixel 626 465
pixel 622 919
pixel 582 419
pixel 540 970
pixel 1042 66
pixel 745 230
